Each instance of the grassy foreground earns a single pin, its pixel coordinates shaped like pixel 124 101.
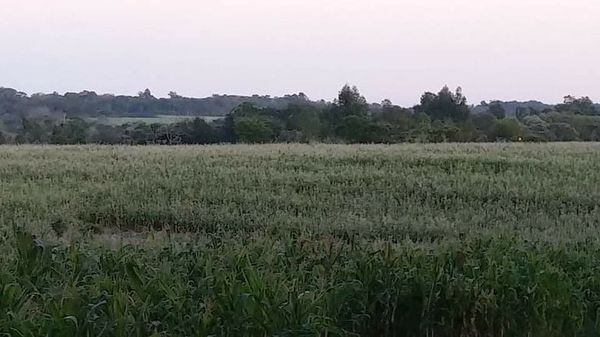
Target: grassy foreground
pixel 300 240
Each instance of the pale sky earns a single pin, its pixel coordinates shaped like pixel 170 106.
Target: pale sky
pixel 494 49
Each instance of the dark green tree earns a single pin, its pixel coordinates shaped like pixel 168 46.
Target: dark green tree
pixel 146 94
pixel 198 131
pixel 445 105
pixel 351 102
pixel 578 105
pixel 72 131
pixel 255 124
pixel 348 103
pixel 33 131
pixel 354 129
pixel 564 132
pixel 508 130
pixel 496 109
pixel 521 113
pixel 397 120
pixel 304 119
pixel 228 134
pixel 254 129
pixel 536 129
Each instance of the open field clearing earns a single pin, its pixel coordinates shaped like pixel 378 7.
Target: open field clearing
pixel 300 240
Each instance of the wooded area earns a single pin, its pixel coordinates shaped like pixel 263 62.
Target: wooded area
pixel 75 118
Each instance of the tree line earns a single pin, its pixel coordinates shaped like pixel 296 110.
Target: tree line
pixel 444 116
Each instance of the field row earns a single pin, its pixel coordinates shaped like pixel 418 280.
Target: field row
pixel 300 240
pixel 545 191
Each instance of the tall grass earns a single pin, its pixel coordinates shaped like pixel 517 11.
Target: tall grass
pixel 300 240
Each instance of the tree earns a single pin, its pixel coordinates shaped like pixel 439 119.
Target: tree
pixel 305 119
pixel 394 114
pixel 228 133
pixel 564 132
pixel 536 129
pixel 508 129
pixel 445 105
pixel 105 134
pixel 146 94
pixel 253 130
pixel 169 135
pixel 587 127
pixel 581 106
pixel 420 133
pixel 142 134
pixel 348 103
pixel 253 124
pixel 32 132
pixel 353 128
pixel 173 95
pixel 198 131
pixel 497 109
pixel 398 121
pixel 72 131
pixel 443 132
pixel 468 132
pixel 521 113
pixel 351 102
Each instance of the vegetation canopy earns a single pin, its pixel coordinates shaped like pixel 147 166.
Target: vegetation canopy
pixel 445 116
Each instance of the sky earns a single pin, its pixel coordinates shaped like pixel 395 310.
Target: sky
pixel 395 49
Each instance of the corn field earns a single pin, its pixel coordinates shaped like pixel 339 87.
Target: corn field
pixel 300 240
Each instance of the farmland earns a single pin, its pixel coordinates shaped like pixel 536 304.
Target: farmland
pixel 300 240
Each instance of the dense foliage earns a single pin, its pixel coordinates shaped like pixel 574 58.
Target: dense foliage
pixel 300 240
pixel 16 104
pixel 440 117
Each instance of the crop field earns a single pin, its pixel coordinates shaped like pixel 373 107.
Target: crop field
pixel 300 240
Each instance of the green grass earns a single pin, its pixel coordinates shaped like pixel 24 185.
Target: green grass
pixel 160 119
pixel 300 240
